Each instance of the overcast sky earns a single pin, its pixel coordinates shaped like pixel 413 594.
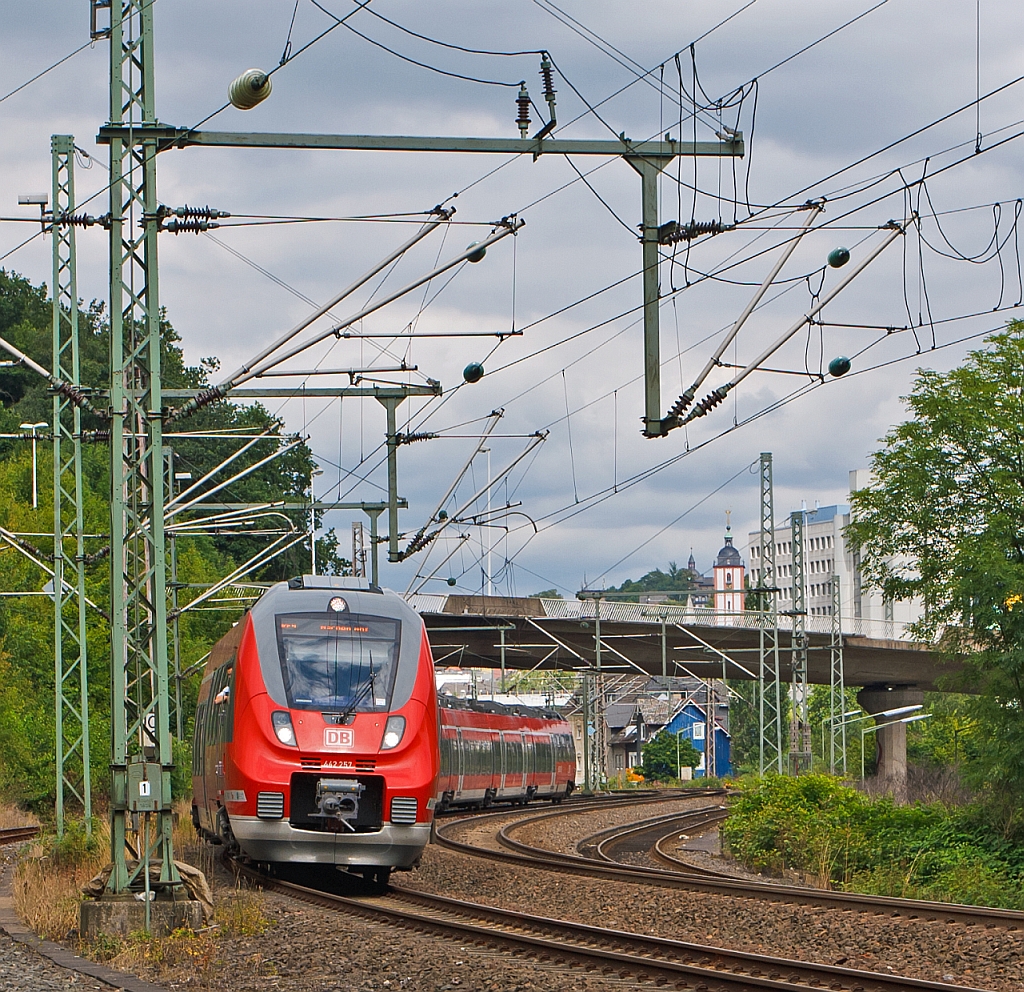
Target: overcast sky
pixel 573 269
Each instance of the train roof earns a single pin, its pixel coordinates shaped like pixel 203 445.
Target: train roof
pixel 500 709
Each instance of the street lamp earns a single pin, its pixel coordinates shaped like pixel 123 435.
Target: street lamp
pixel 828 719
pixel 33 428
pixel 878 726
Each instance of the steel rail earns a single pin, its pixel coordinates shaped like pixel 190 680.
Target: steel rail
pixel 637 832
pixel 12 835
pixel 912 909
pixel 657 959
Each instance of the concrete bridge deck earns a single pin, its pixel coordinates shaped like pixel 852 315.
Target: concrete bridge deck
pixel 466 631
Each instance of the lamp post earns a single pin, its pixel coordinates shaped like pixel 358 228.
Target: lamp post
pixel 897 711
pixel 33 428
pixel 864 731
pixel 828 719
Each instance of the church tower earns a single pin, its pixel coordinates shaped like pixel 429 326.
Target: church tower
pixel 729 576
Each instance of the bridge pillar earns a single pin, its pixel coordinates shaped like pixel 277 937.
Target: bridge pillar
pixel 891 736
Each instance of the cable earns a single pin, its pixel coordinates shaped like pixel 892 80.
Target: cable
pixel 39 75
pixel 446 44
pixel 406 58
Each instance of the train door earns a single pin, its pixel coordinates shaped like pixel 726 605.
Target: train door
pixel 459 765
pixel 198 761
pixel 529 763
pixel 546 763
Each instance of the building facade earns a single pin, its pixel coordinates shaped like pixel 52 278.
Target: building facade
pixel 827 555
pixel 729 578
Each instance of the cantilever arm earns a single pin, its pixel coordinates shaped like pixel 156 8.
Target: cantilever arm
pixel 680 406
pixel 717 395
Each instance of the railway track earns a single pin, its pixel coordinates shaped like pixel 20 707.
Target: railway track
pixel 683 876
pixel 611 952
pixel 12 835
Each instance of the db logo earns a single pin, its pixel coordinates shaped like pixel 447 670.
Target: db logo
pixel 338 738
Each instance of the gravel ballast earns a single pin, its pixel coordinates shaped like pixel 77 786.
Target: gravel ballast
pixel 967 955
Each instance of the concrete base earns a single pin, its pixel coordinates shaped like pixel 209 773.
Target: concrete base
pixel 891 736
pixel 123 915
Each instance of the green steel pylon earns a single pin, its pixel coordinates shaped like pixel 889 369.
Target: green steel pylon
pixel 141 743
pixel 837 687
pixel 71 675
pixel 769 684
pixel 799 727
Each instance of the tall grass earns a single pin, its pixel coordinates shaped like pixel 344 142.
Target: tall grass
pixel 48 897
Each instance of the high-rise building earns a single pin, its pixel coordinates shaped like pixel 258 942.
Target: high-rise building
pixel 826 554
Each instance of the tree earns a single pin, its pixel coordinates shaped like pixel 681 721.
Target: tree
pixel 944 521
pixel 659 756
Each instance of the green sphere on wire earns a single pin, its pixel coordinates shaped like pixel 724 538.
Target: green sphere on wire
pixel 838 257
pixel 478 255
pixel 839 366
pixel 473 372
pixel 451 580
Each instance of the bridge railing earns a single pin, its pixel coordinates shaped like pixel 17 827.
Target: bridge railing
pixel 568 609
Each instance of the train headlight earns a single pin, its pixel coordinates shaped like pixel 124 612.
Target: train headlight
pixel 393 731
pixel 283 728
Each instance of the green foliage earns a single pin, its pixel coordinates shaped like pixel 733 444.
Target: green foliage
pixel 27 722
pixel 815 824
pixel 676 579
pixel 77 846
pixel 546 594
pixel 659 756
pixel 943 522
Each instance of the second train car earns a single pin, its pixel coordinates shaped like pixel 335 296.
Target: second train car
pixel 491 752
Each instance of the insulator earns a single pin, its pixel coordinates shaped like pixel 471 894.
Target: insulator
pixel 193 226
pixel 523 102
pixel 473 372
pixel 680 406
pixel 249 89
pixel 478 255
pixel 207 213
pixel 76 220
pixel 671 233
pixel 411 437
pixel 545 72
pixel 709 402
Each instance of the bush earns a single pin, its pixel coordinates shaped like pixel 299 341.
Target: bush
pixel 816 824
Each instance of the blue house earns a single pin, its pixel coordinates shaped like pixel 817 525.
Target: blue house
pixel 690 722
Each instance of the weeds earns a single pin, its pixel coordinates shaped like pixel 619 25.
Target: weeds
pixel 47 893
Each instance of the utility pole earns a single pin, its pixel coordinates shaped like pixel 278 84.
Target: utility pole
pixel 799 727
pixel 71 670
pixel 141 758
pixel 710 758
pixel 597 695
pixel 837 687
pixel 769 684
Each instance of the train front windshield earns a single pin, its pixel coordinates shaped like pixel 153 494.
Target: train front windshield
pixel 341 664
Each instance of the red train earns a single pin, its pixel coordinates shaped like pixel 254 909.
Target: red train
pixel 316 730
pixel 318 737
pixel 496 753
